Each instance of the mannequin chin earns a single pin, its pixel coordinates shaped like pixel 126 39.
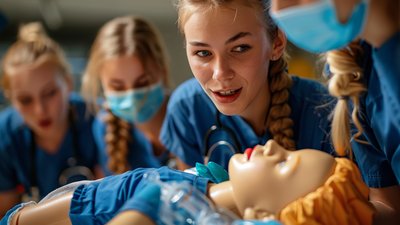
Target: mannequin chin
pixel 253 214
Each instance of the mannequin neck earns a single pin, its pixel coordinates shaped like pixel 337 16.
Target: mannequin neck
pixel 222 196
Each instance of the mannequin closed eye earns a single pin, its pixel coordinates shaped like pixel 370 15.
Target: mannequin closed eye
pixel 276 177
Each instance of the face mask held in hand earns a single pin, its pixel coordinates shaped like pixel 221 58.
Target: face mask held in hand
pixel 315 27
pixel 138 105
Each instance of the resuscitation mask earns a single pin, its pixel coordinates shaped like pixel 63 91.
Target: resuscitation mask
pixel 315 27
pixel 137 105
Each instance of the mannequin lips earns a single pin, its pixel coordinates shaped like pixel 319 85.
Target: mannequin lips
pixel 248 152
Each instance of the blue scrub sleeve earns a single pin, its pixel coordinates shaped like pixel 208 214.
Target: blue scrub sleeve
pixel 178 134
pixel 6 220
pixel 387 67
pixel 146 201
pixel 8 160
pixel 8 179
pixel 99 202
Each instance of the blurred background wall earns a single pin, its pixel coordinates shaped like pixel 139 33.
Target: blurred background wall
pixel 74 23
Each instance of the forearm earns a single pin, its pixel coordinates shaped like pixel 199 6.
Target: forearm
pixel 385 215
pixel 387 204
pixel 51 212
pixel 131 218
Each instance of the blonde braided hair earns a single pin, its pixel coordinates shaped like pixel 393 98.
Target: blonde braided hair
pixel 345 83
pixel 279 122
pixel 117 139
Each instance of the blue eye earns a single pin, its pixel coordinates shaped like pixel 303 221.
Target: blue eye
pixel 241 48
pixel 202 53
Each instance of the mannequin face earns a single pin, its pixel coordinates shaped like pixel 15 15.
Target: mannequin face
pixel 269 177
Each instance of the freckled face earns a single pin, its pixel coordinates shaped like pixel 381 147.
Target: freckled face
pixel 40 94
pixel 269 177
pixel 228 51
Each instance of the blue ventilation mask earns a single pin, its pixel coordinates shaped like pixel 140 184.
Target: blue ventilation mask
pixel 136 105
pixel 315 27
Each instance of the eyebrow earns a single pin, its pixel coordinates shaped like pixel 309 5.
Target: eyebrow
pixel 230 40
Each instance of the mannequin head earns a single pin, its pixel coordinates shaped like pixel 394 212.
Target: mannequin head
pixel 270 173
pixel 294 187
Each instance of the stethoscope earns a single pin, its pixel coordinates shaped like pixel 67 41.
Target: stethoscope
pixel 214 129
pixel 74 171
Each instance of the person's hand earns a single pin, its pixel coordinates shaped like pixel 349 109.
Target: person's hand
pixel 256 222
pixel 213 171
pixel 146 201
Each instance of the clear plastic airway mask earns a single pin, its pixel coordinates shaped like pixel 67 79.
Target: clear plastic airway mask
pixel 315 27
pixel 181 203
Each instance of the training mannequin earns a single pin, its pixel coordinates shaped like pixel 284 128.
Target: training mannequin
pixel 279 184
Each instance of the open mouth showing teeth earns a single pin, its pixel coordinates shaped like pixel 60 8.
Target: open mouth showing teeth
pixel 228 92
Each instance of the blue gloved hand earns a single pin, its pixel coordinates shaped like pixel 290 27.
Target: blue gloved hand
pixel 146 201
pixel 256 222
pixel 213 171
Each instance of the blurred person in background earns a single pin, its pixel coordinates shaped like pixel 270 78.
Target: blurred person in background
pixel 127 67
pixel 46 139
pixel 361 40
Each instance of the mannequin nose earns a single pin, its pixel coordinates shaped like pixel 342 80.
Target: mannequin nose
pixel 272 148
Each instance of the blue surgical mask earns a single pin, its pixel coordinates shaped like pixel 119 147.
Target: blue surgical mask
pixel 315 27
pixel 137 105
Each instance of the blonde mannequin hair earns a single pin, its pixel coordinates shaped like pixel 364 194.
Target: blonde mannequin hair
pixel 279 122
pixel 122 36
pixel 346 84
pixel 343 199
pixel 33 48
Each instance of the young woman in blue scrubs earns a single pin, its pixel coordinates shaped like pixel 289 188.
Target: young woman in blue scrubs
pixel 237 55
pixel 128 60
pixel 365 72
pixel 47 127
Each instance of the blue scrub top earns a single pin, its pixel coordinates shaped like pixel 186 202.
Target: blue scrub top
pixel 191 113
pixel 140 150
pixel 99 201
pixel 379 161
pixel 15 150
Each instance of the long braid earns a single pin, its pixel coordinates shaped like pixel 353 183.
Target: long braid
pixel 279 122
pixel 117 139
pixel 345 83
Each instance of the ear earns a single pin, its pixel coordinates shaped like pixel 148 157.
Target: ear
pixel 278 45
